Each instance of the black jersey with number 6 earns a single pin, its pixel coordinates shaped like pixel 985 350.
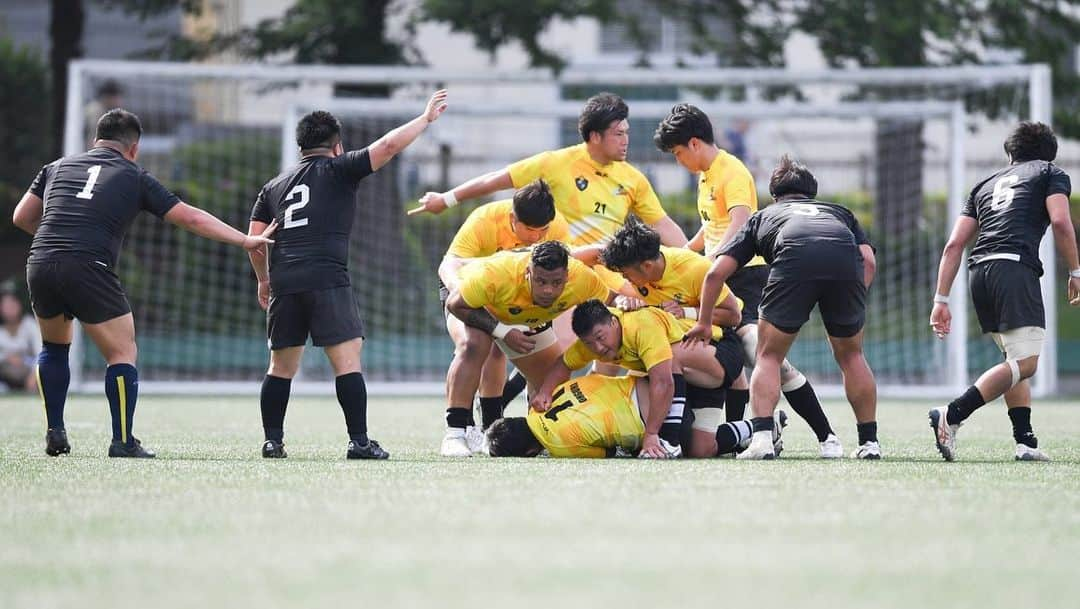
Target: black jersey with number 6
pixel 1010 207
pixel 90 199
pixel 314 203
pixel 803 239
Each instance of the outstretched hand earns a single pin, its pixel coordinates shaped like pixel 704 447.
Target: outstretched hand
pixel 255 242
pixel 436 106
pixel 431 202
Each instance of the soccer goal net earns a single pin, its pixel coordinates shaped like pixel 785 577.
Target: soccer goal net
pixel 894 146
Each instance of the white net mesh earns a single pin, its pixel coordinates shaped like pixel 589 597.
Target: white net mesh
pixel 216 134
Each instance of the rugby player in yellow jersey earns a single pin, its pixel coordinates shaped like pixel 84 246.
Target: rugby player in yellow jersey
pixel 510 300
pixel 648 341
pixel 592 417
pixel 528 218
pixel 593 185
pixel 727 196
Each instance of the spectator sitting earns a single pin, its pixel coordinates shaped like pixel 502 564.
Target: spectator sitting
pixel 20 343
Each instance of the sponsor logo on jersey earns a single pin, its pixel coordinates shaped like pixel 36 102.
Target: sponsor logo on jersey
pixel 581 183
pixel 514 310
pixel 644 290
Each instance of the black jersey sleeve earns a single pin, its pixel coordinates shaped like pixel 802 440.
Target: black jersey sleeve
pixel 356 164
pixel 743 246
pixel 156 199
pixel 857 230
pixel 1059 182
pixel 261 211
pixel 968 208
pixel 37 187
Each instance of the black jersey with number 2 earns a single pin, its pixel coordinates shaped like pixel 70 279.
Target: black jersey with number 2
pixel 90 199
pixel 802 239
pixel 313 203
pixel 1010 207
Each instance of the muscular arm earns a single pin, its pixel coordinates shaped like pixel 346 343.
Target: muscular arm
pixel 28 212
pixel 697 243
pixel 257 256
pixel 205 224
pixel 479 186
pixel 962 233
pixel 480 319
pixel 670 233
pixel 448 270
pixel 727 313
pixel 721 269
pixel 558 374
pixel 1057 205
pixel 388 146
pixel 661 392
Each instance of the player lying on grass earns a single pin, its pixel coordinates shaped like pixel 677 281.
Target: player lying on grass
pixel 509 300
pixel 726 198
pixel 648 341
pixel 593 416
pixel 305 284
pixel 1009 211
pixel 819 256
pixel 528 218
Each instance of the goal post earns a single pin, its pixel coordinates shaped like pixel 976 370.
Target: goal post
pixel 215 133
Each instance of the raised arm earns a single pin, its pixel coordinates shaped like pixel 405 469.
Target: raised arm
pixel 28 212
pixel 388 146
pixel 436 202
pixel 1057 205
pixel 205 224
pixel 963 231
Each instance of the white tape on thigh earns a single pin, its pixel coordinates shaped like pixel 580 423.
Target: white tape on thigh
pixel 708 419
pixel 1014 368
pixel 1021 343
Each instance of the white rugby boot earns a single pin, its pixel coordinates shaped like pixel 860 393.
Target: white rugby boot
pixel 454 444
pixel 831 448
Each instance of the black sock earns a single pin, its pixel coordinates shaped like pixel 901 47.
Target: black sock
pixel 867 432
pixel 962 407
pixel 729 435
pixel 273 400
pixel 762 424
pixel 1021 423
pixel 672 426
pixel 459 417
pixel 54 376
pixel 805 404
pixel 697 397
pixel 352 395
pixel 735 404
pixel 491 410
pixel 122 390
pixel 513 387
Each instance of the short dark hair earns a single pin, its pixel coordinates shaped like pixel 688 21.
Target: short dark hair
pixel 120 126
pixel 588 315
pixel 534 205
pixel 319 129
pixel 1031 141
pixel 792 178
pixel 550 256
pixel 684 122
pixel 511 437
pixel 631 245
pixel 599 112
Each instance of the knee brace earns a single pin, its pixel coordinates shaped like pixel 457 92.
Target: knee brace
pixel 1019 344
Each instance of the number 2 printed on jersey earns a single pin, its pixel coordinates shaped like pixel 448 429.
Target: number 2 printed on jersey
pixel 302 191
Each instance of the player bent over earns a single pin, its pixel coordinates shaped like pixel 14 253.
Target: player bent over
pixel 726 198
pixel 820 256
pixel 78 209
pixel 1009 212
pixel 306 288
pixel 528 218
pixel 509 300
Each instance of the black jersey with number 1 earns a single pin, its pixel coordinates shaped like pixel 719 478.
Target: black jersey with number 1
pixel 314 203
pixel 1010 207
pixel 90 199
pixel 802 239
